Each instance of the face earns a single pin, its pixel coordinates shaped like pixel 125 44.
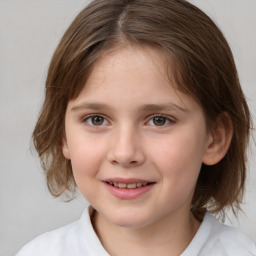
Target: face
pixel 136 144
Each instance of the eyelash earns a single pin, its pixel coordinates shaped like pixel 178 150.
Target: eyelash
pixel 166 119
pixel 88 120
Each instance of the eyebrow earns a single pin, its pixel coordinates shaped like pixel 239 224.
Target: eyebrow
pixel 144 108
pixel 161 107
pixel 92 106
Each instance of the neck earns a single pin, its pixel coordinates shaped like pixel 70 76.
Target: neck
pixel 169 236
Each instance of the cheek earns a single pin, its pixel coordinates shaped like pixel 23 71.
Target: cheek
pixel 180 158
pixel 179 164
pixel 86 157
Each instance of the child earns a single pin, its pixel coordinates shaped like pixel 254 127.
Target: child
pixel 144 113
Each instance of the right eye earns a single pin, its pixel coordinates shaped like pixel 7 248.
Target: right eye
pixel 95 120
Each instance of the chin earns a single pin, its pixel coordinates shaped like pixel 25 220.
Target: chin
pixel 130 221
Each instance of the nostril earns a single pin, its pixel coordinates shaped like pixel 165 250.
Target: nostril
pixel 126 156
pixel 114 162
pixel 129 163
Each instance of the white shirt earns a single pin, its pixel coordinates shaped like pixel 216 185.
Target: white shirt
pixel 80 239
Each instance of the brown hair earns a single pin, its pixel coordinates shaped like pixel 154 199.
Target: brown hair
pixel 204 69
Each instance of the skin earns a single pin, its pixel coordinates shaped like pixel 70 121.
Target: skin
pixel 125 91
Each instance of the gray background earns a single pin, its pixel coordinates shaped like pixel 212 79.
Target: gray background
pixel 29 33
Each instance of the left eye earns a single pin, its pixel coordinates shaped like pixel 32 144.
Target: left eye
pixel 96 120
pixel 159 121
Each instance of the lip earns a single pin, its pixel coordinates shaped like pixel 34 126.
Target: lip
pixel 126 193
pixel 127 180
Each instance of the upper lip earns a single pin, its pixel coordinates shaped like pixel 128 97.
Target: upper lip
pixel 127 180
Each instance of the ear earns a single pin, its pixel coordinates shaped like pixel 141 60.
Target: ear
pixel 219 140
pixel 65 150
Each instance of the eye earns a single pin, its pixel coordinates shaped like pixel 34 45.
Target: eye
pixel 95 120
pixel 160 120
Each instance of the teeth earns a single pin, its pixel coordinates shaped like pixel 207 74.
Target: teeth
pixel 121 185
pixel 129 186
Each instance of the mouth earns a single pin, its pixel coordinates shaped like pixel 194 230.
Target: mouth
pixel 128 188
pixel 128 185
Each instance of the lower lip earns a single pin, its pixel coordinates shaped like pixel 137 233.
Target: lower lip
pixel 128 193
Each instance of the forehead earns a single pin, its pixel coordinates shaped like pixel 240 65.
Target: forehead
pixel 132 76
pixel 128 68
pixel 128 60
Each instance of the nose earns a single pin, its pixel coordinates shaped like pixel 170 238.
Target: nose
pixel 126 149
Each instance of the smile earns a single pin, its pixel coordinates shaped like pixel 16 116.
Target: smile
pixel 128 188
